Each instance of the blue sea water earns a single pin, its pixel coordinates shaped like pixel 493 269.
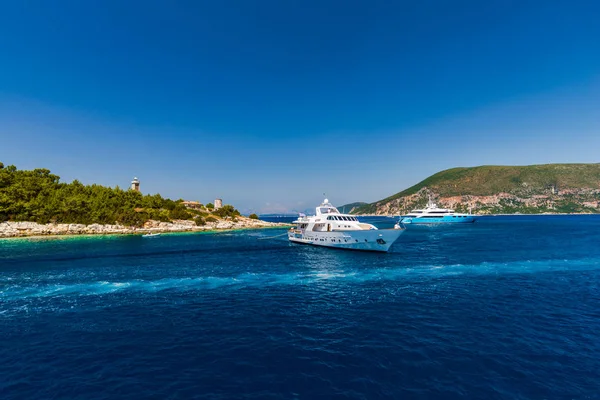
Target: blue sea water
pixel 506 308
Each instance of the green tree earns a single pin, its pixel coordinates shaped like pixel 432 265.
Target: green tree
pixel 39 196
pixel 226 211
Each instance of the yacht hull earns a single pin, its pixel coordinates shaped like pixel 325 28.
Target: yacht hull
pixel 442 220
pixel 368 240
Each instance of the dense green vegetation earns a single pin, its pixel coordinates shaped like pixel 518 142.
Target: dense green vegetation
pixel 39 196
pixel 226 211
pixel 253 216
pixel 522 181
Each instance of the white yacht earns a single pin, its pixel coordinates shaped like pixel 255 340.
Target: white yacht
pixel 329 228
pixel 432 214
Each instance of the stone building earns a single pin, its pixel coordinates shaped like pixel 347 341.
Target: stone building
pixel 195 205
pixel 218 203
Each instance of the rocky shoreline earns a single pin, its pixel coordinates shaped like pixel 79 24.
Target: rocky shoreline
pixel 24 229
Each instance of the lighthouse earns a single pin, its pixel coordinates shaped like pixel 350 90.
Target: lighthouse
pixel 135 184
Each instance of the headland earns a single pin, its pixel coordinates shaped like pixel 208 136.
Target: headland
pixel 36 203
pixel 532 189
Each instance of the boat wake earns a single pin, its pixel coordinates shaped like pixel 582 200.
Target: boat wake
pixel 53 286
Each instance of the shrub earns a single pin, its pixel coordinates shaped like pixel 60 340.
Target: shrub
pixel 179 213
pixel 131 218
pixel 253 216
pixel 211 219
pixel 227 211
pixel 200 221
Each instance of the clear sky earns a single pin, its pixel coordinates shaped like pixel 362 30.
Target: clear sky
pixel 268 104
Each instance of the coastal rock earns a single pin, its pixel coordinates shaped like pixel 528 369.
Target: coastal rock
pixel 25 228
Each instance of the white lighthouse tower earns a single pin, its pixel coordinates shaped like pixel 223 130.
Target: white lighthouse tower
pixel 135 184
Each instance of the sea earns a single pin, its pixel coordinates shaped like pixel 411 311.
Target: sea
pixel 505 308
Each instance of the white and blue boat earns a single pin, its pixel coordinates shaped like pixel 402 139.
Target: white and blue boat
pixel 330 228
pixel 432 214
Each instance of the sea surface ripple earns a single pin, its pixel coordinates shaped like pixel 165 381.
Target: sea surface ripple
pixel 506 308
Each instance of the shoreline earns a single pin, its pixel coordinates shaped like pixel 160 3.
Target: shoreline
pixel 28 230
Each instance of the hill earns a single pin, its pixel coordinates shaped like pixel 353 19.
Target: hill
pixel 549 188
pixel 39 196
pixel 348 208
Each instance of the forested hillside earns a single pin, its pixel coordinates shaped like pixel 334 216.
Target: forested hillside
pixel 563 188
pixel 39 196
pixel 348 208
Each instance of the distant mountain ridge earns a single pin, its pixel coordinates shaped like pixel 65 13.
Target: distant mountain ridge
pixel 547 188
pixel 348 208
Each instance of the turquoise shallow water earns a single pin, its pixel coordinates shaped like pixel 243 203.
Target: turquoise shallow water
pixel 508 307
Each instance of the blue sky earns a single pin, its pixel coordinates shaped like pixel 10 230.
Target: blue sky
pixel 268 104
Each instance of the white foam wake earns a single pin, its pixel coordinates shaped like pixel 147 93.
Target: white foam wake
pixel 14 288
